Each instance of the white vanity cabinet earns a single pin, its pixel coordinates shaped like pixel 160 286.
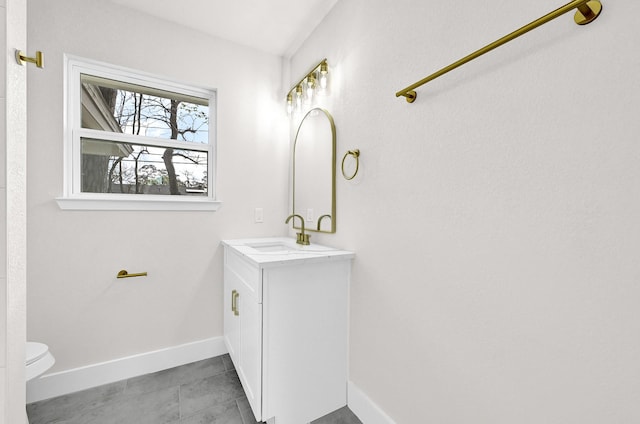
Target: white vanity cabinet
pixel 285 326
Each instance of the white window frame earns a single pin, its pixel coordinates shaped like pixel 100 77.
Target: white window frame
pixel 73 198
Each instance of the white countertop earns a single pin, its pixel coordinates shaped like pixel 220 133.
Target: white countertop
pixel 283 250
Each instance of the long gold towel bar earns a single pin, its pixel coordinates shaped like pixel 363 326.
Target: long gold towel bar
pixel 587 12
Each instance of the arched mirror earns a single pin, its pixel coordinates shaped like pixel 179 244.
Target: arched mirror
pixel 314 172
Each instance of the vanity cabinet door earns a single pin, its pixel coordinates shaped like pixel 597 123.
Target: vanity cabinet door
pixel 231 321
pixel 243 328
pixel 250 370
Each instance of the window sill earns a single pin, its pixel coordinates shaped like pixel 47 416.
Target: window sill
pixel 88 203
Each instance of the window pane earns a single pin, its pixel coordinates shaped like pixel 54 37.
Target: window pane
pixel 116 106
pixel 114 167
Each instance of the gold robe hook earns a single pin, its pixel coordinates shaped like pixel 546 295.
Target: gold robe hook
pixel 21 58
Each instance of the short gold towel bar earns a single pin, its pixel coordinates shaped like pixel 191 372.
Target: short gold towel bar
pixel 124 274
pixel 21 58
pixel 588 11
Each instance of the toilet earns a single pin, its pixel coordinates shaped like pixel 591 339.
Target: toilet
pixel 39 359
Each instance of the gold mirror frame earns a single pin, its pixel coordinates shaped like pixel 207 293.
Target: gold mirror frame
pixel 314 228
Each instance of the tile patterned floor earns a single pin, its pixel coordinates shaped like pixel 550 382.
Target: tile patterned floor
pixel 204 392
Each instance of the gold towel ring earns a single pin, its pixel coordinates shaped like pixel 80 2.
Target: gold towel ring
pixel 356 154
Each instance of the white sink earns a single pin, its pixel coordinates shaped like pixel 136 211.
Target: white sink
pixel 280 249
pixel 285 246
pixel 271 246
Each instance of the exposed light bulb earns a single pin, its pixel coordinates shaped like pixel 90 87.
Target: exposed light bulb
pixel 324 71
pixel 311 86
pixel 289 104
pixel 299 97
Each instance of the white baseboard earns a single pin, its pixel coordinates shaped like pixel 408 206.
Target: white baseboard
pixel 69 381
pixel 364 408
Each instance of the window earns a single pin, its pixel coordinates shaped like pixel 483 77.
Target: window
pixel 135 141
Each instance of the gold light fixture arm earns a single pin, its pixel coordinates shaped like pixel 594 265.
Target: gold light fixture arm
pixel 587 11
pixel 22 58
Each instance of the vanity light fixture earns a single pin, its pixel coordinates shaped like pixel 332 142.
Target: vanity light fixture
pixel 313 83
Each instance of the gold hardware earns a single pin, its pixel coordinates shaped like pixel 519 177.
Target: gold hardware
pixel 587 12
pixel 234 302
pixel 124 274
pixel 320 220
pixel 21 58
pixel 309 80
pixel 324 68
pixel 356 155
pixel 410 96
pixel 302 237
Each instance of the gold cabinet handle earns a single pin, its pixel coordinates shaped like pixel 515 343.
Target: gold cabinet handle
pixel 234 302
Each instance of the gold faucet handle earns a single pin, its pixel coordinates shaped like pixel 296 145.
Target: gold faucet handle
pixel 303 239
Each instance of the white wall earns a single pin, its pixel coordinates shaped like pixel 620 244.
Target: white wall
pixel 75 303
pixel 495 220
pixel 13 236
pixel 3 210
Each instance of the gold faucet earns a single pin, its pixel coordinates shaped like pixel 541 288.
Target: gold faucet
pixel 320 220
pixel 302 237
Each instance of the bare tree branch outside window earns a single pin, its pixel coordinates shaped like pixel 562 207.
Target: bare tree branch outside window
pixel 112 167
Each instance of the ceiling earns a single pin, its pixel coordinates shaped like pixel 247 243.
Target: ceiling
pixel 273 26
